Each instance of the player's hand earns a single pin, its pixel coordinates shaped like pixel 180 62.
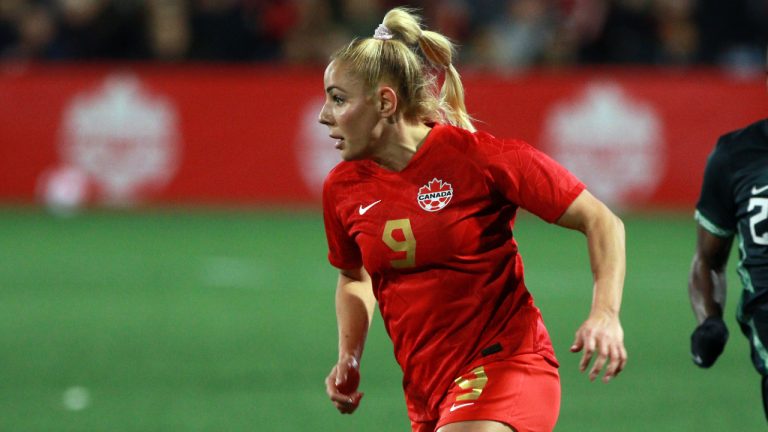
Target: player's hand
pixel 341 385
pixel 601 334
pixel 708 341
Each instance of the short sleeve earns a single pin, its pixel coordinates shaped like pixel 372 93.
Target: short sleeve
pixel 532 180
pixel 343 252
pixel 715 210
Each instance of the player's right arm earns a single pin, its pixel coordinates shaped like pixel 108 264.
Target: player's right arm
pixel 355 304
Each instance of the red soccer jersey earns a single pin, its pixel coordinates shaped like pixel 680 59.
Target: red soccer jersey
pixel 437 240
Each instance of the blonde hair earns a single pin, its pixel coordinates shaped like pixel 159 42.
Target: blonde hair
pixel 376 59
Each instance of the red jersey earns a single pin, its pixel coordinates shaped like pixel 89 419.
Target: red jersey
pixel 437 240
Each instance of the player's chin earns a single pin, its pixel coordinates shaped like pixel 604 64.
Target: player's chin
pixel 349 154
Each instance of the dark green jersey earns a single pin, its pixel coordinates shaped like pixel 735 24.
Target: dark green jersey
pixel 734 201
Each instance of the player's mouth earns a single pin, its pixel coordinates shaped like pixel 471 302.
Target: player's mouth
pixel 339 142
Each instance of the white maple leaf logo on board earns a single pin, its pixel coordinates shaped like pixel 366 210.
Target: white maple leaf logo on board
pixel 610 140
pixel 123 137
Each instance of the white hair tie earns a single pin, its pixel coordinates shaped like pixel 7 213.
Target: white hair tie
pixel 382 33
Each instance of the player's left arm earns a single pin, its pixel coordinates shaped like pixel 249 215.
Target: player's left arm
pixel 716 216
pixel 707 292
pixel 601 333
pixel 706 283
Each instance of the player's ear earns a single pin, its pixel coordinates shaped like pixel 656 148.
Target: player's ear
pixel 387 101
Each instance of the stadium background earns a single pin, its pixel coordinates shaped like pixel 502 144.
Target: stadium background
pixel 162 256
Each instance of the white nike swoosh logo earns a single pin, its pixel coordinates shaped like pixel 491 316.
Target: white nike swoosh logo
pixel 756 190
pixel 454 407
pixel 362 209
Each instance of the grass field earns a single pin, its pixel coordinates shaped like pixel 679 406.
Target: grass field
pixel 223 321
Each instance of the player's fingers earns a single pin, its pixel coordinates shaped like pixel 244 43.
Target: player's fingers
pixel 602 356
pixel 330 384
pixel 339 399
pixel 589 350
pixel 618 361
pixel 623 359
pixel 578 344
pixel 350 405
pixel 343 407
pixel 346 404
pixel 614 365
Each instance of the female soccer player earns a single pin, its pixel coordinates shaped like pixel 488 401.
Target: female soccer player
pixel 419 215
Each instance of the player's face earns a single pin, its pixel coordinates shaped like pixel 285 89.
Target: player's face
pixel 349 112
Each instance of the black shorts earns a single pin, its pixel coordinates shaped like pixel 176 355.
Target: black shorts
pixel 754 325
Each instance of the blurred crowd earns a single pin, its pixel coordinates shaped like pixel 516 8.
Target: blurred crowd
pixel 492 33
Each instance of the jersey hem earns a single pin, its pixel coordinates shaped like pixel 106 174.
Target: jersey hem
pixel 711 226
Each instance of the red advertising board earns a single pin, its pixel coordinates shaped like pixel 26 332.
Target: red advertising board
pixel 210 134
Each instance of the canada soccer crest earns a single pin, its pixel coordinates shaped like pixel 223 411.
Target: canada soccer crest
pixel 434 195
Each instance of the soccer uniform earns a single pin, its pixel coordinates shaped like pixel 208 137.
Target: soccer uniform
pixel 734 201
pixel 437 240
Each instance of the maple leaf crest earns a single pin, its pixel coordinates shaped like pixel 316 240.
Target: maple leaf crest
pixel 435 185
pixel 434 195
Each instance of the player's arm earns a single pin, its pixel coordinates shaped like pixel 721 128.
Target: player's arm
pixel 706 284
pixel 601 333
pixel 707 292
pixel 354 309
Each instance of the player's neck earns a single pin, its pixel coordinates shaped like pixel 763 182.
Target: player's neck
pixel 401 142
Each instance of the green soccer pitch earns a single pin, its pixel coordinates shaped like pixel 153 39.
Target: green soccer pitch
pixel 212 320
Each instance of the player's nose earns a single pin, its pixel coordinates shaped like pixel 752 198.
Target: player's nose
pixel 325 116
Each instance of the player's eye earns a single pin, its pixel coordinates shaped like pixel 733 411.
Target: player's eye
pixel 338 100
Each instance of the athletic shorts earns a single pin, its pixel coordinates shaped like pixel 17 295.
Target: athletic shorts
pixel 754 325
pixel 522 392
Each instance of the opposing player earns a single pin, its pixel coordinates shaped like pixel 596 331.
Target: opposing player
pixel 419 215
pixel 733 203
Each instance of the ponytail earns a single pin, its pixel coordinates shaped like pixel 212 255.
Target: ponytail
pixel 388 56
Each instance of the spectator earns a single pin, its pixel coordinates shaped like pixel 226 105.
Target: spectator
pixel 359 16
pixel 35 29
pixel 677 31
pixel 221 31
pixel 629 35
pixel 10 14
pixel 168 30
pixel 99 29
pixel 533 33
pixel 519 37
pixel 731 32
pixel 273 21
pixel 315 36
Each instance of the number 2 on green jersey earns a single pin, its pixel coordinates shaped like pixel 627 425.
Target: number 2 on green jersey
pixel 761 215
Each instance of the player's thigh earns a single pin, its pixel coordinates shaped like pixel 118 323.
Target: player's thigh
pixel 520 394
pixel 476 426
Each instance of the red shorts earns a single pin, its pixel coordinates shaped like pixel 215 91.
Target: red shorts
pixel 522 392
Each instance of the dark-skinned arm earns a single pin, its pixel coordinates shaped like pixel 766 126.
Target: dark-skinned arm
pixel 707 292
pixel 707 284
